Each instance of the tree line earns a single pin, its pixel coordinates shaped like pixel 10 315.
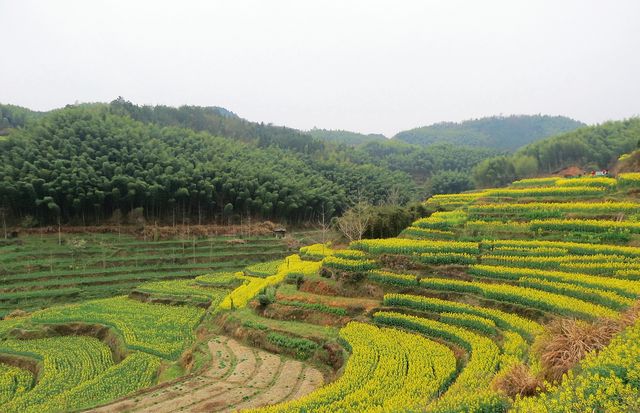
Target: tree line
pixel 84 163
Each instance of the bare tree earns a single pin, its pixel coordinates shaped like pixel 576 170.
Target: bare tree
pixel 324 225
pixel 353 223
pixel 393 197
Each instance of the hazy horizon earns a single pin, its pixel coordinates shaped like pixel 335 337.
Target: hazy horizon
pixel 363 66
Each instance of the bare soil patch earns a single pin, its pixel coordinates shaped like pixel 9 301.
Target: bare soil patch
pixel 238 377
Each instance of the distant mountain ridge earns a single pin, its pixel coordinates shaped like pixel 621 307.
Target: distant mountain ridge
pixel 500 132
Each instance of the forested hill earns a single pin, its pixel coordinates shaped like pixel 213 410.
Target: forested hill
pixel 219 122
pixel 84 163
pixel 12 116
pixel 591 147
pixel 346 137
pixel 504 133
pixel 80 164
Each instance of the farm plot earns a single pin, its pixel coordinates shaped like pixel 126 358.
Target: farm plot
pixel 77 372
pixel 38 272
pixel 239 377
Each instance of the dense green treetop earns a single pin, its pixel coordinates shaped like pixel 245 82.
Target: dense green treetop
pixel 500 132
pixel 219 122
pixel 87 161
pixel 12 116
pixel 346 137
pixel 84 162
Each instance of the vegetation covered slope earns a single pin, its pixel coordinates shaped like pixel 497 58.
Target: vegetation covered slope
pixel 496 271
pixel 590 147
pixel 346 137
pixel 465 314
pixel 218 122
pixel 37 271
pixel 96 351
pixel 12 116
pixel 505 133
pixel 439 168
pixel 83 163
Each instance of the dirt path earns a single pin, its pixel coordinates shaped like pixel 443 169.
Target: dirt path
pixel 240 377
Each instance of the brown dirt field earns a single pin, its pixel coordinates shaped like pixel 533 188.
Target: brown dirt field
pixel 246 362
pixel 222 360
pixel 239 377
pixel 312 379
pixel 287 382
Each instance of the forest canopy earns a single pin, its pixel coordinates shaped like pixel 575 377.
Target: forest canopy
pixel 84 163
pixel 591 147
pixel 499 132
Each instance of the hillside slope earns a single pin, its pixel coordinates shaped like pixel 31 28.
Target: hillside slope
pixel 460 313
pixel 496 273
pixel 500 132
pixel 590 147
pixel 12 116
pixel 81 164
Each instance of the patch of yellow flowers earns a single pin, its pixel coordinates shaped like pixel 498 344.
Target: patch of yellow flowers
pixel 624 287
pixel 410 246
pixel 587 181
pixel 346 264
pixel 561 191
pixel 629 179
pixel 154 328
pixel 389 371
pixel 535 182
pixel 528 297
pixel 570 247
pixel 588 225
pixel 252 286
pixel 502 319
pixel 442 220
pixel 13 382
pixel 559 207
pixel 470 391
pixel 317 250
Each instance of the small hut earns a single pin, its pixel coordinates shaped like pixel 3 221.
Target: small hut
pixel 280 232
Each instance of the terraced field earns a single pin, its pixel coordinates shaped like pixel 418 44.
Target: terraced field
pixel 516 299
pixel 486 276
pixel 74 370
pixel 37 272
pixel 239 377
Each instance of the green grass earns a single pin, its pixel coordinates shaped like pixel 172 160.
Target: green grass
pixel 172 372
pixel 293 327
pixel 184 289
pixel 315 307
pixel 154 328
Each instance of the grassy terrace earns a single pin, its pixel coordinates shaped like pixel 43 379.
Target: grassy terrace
pixel 37 272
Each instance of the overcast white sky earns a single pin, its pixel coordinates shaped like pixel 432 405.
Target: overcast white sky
pixel 368 66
